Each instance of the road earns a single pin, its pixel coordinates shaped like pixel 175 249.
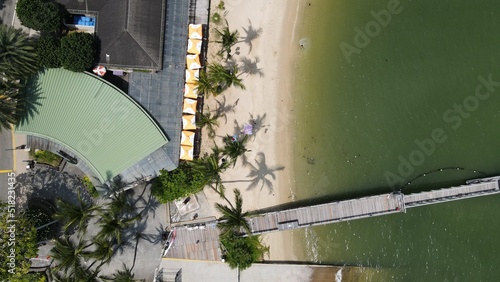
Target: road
pixel 6 161
pixel 7 11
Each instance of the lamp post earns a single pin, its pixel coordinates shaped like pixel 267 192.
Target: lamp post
pixel 22 147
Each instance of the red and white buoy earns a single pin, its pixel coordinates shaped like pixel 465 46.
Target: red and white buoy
pixel 100 70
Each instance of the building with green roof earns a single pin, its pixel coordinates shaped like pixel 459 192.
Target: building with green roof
pixel 92 120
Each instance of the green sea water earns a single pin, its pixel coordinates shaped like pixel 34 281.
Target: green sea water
pixel 360 116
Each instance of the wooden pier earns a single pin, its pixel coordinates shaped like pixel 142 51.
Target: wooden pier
pixel 199 239
pixel 366 207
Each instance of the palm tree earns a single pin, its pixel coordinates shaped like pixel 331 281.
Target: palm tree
pixel 103 252
pixel 69 256
pixel 224 78
pixel 113 227
pixel 75 215
pixel 228 40
pixel 211 167
pixel 233 218
pixel 209 121
pixel 204 85
pixel 123 275
pixel 121 204
pixel 80 275
pixel 235 148
pixel 8 107
pixel 17 54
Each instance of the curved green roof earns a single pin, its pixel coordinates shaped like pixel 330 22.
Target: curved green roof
pixel 95 120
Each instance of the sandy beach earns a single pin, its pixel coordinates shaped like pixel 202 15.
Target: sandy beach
pixel 268 62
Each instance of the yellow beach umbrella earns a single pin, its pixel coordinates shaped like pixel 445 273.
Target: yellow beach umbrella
pixel 190 91
pixel 187 138
pixel 194 46
pixel 193 62
pixel 192 76
pixel 189 106
pixel 188 122
pixel 195 31
pixel 186 153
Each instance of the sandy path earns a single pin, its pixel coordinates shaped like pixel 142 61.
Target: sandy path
pixel 268 100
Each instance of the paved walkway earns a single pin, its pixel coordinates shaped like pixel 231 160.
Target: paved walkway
pixel 193 271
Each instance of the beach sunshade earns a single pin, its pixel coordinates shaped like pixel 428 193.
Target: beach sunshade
pixel 193 62
pixel 195 31
pixel 247 129
pixel 192 76
pixel 100 70
pixel 187 138
pixel 188 122
pixel 194 46
pixel 189 106
pixel 190 91
pixel 186 153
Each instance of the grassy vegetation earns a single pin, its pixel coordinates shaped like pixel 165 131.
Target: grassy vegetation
pixel 216 18
pixel 46 157
pixel 90 187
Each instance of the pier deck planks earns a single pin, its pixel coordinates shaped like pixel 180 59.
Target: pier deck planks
pixel 366 207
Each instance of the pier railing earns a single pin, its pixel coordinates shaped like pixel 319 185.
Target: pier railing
pixel 367 207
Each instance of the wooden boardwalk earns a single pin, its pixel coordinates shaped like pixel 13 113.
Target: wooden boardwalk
pixel 451 194
pixel 199 239
pixel 200 242
pixel 366 207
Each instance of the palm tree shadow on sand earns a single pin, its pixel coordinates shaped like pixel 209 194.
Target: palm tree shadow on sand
pixel 249 66
pixel 251 35
pixel 223 108
pixel 260 174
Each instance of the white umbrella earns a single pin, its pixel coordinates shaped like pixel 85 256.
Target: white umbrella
pixel 188 122
pixel 187 138
pixel 194 46
pixel 190 91
pixel 189 106
pixel 195 31
pixel 186 153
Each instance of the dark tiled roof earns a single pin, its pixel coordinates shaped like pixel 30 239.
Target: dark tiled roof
pixel 130 31
pixel 161 93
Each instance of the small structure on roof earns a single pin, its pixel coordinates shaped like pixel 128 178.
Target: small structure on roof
pixel 130 32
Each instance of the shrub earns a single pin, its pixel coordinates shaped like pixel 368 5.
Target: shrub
pixel 77 51
pixel 42 15
pixel 216 18
pixel 25 247
pixel 241 252
pixel 90 187
pixel 47 49
pixel 46 157
pixel 178 183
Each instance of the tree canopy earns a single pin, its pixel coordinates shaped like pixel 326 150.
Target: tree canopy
pixel 17 244
pixel 48 51
pixel 77 51
pixel 41 15
pixel 180 182
pixel 233 218
pixel 241 252
pixel 17 56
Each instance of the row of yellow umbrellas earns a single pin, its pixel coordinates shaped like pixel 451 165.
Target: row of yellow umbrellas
pixel 193 65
